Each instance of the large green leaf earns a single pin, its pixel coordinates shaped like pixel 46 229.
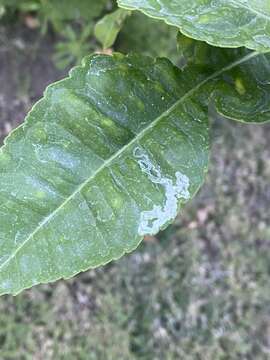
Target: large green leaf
pixel 225 23
pixel 108 156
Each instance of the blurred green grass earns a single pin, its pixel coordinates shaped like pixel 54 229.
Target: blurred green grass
pixel 199 290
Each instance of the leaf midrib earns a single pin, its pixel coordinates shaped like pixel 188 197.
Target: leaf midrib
pixel 123 149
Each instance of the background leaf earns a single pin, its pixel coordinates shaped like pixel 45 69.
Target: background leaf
pixel 107 28
pixel 225 23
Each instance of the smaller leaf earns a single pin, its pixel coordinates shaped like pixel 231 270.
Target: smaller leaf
pixel 108 27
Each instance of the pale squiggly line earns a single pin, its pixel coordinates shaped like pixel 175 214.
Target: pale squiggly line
pixel 151 221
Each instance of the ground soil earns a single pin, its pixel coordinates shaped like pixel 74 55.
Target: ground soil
pixel 26 68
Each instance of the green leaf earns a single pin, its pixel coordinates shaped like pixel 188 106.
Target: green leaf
pixel 107 28
pixel 225 23
pixel 109 155
pixel 242 95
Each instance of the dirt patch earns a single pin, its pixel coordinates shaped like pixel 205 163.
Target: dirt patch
pixel 26 69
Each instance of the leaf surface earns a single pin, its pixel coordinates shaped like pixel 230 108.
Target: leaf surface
pixel 108 156
pixel 224 23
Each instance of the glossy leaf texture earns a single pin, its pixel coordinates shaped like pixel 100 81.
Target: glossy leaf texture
pixel 109 155
pixel 224 23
